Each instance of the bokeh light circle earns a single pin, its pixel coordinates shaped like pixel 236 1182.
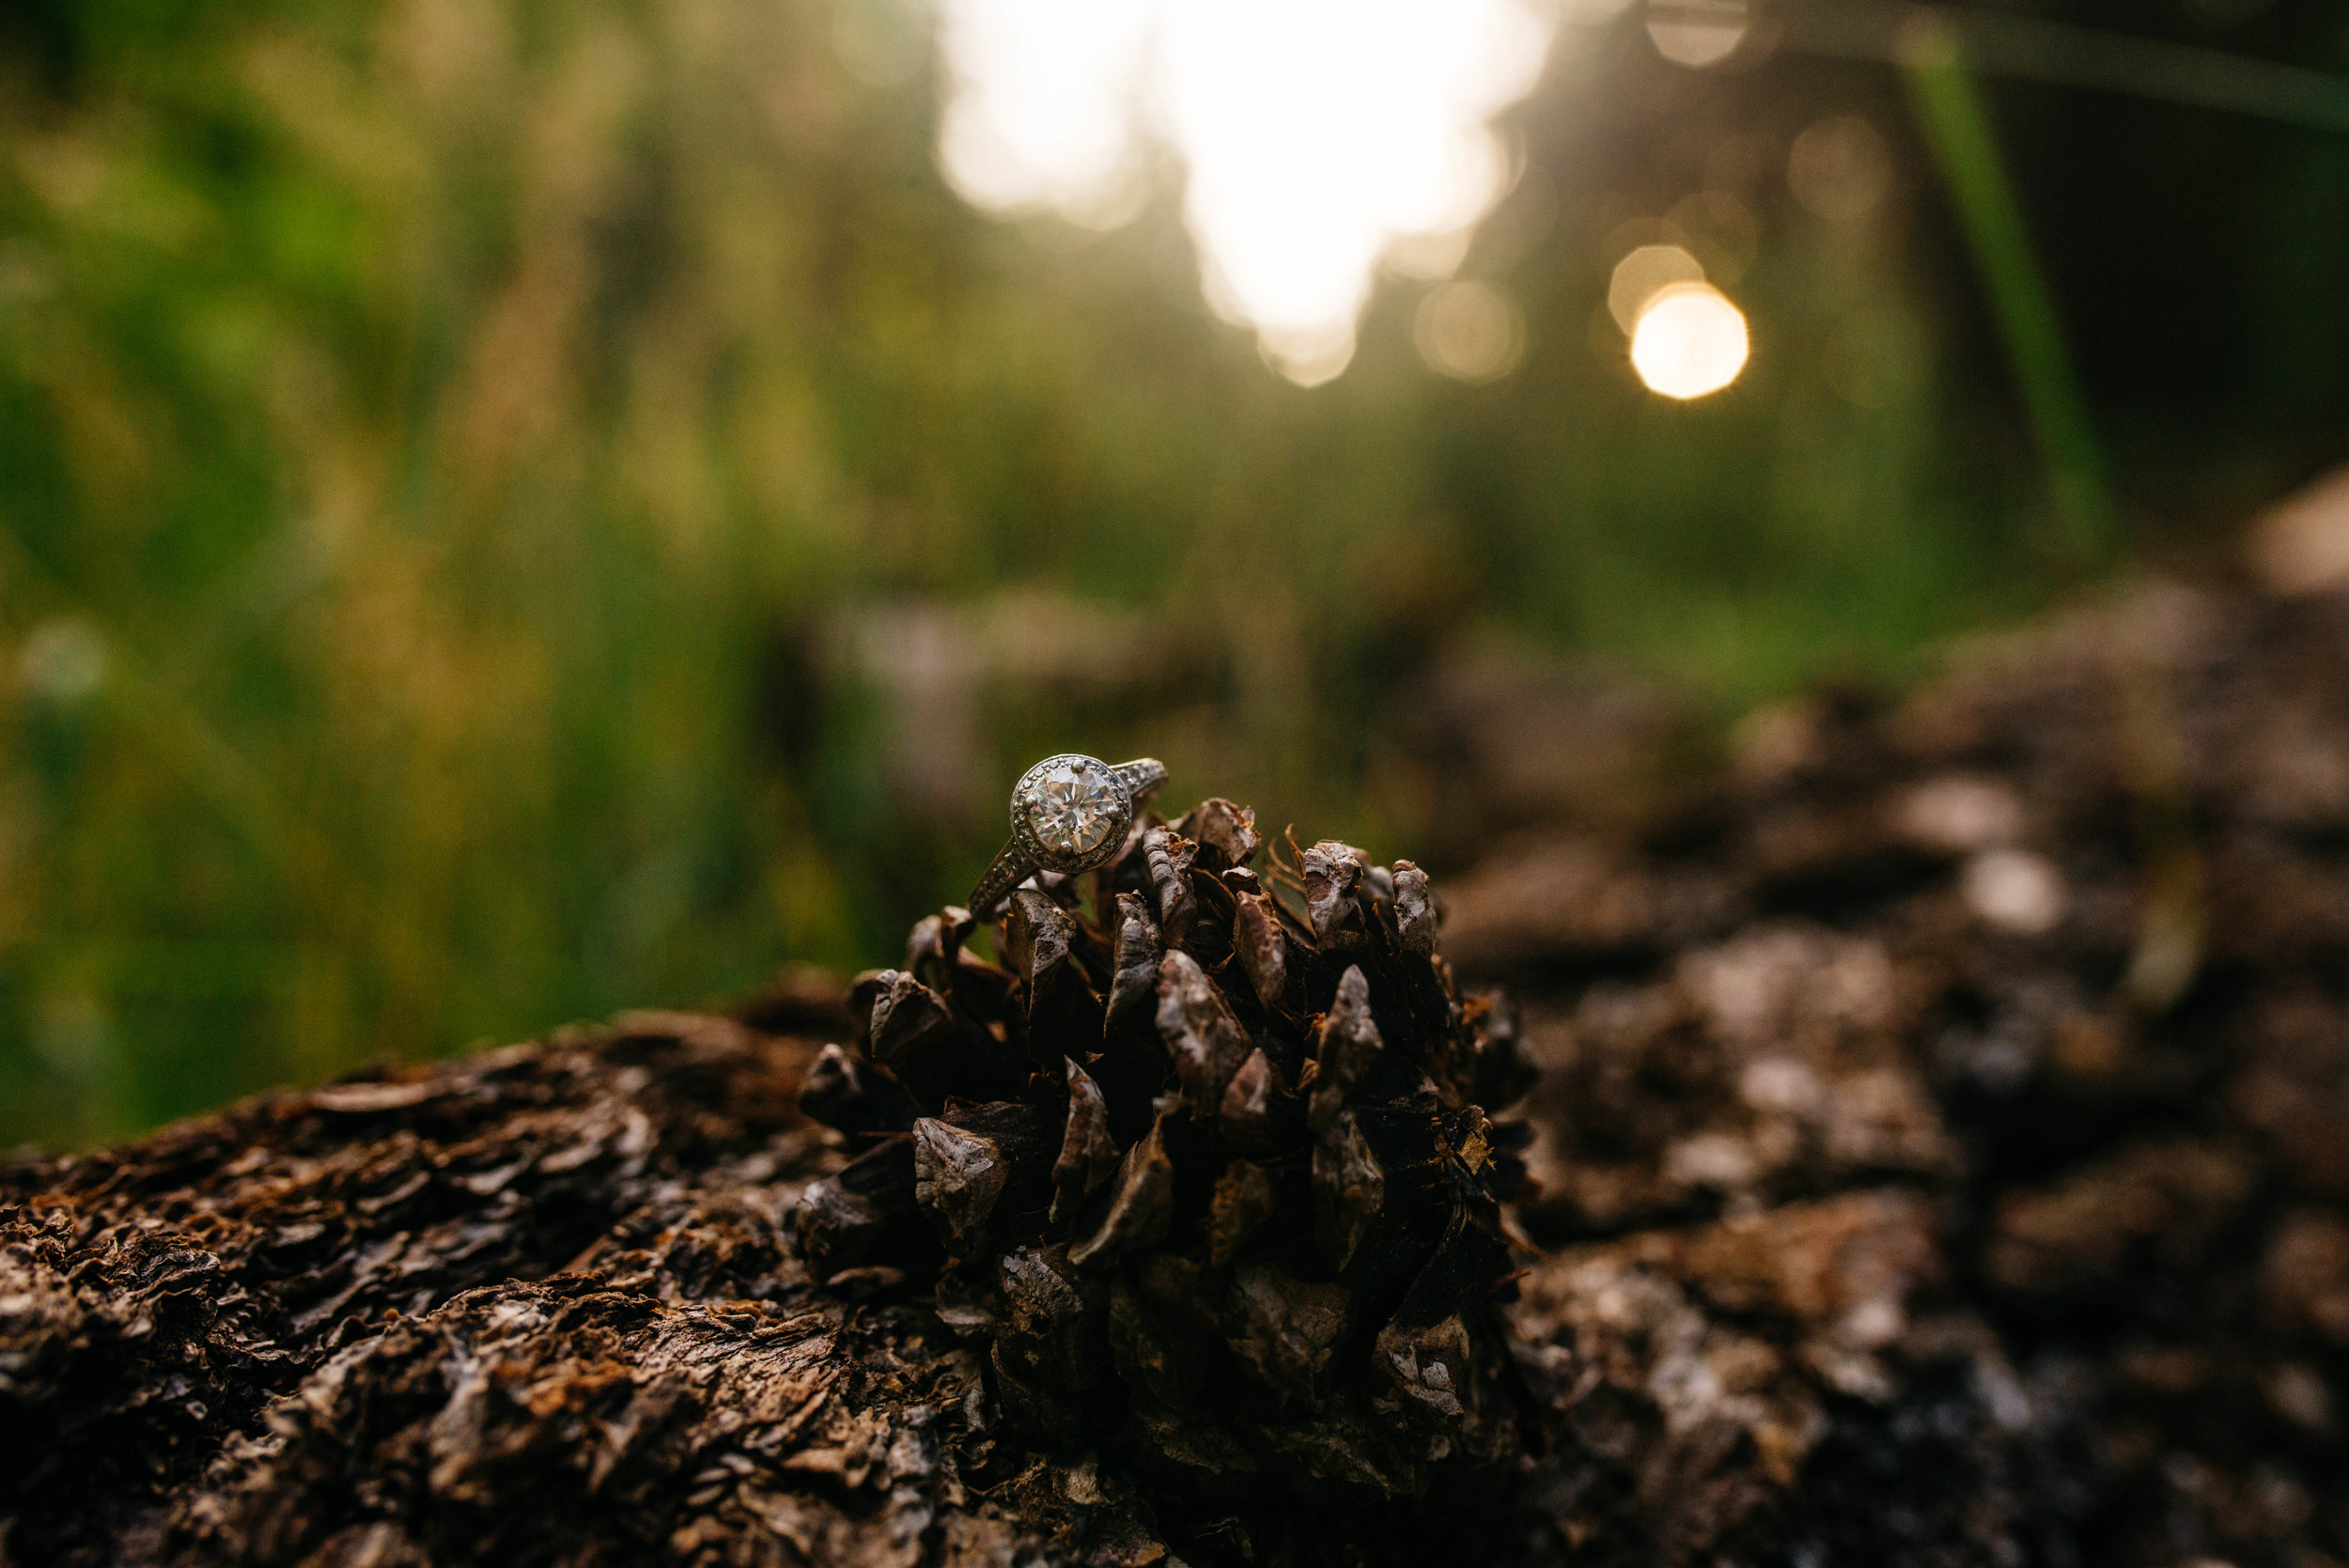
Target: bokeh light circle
pixel 1645 272
pixel 1698 32
pixel 1689 341
pixel 1471 332
pixel 1839 168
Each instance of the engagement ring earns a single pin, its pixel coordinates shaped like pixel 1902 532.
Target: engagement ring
pixel 1068 814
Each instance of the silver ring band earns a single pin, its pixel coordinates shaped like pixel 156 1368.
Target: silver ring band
pixel 1068 814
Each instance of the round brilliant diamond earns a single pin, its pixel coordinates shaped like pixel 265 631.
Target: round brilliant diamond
pixel 1075 807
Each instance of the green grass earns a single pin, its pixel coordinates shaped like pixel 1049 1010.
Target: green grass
pixel 484 439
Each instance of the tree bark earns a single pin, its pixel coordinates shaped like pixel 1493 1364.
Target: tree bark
pixel 1943 1141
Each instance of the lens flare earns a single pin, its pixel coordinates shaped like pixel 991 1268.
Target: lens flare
pixel 1689 341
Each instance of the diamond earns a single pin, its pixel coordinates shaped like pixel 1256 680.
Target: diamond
pixel 1074 806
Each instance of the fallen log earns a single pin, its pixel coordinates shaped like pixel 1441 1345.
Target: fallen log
pixel 1940 1140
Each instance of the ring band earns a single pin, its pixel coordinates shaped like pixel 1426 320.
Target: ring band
pixel 1069 813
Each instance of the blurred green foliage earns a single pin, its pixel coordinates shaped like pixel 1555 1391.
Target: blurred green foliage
pixel 483 483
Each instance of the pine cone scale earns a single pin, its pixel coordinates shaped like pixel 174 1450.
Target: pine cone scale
pixel 1213 1177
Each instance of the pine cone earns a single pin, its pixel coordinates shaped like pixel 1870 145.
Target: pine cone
pixel 1205 1165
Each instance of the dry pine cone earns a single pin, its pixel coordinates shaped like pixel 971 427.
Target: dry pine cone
pixel 1207 1166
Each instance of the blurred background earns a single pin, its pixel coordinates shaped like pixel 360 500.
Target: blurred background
pixel 511 510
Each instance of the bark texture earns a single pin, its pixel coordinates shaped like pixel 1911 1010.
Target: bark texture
pixel 1942 1141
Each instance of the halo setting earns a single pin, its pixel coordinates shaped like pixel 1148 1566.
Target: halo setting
pixel 1069 813
pixel 1069 810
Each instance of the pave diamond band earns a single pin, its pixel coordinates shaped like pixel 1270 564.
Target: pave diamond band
pixel 1068 814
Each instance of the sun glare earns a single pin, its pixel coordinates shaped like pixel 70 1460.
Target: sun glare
pixel 1041 113
pixel 1319 135
pixel 1689 341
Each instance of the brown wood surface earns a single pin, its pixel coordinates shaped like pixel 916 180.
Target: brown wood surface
pixel 1943 1146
